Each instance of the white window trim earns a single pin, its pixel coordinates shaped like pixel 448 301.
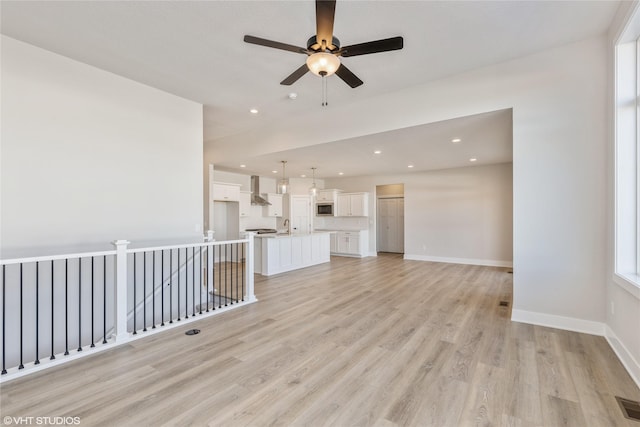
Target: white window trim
pixel 627 168
pixel 629 283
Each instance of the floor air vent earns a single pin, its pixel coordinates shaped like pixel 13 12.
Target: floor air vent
pixel 630 408
pixel 504 304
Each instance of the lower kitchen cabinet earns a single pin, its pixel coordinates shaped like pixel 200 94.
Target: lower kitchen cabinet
pixel 279 254
pixel 350 243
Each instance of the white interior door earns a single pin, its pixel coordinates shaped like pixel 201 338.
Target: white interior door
pixel 300 214
pixel 391 225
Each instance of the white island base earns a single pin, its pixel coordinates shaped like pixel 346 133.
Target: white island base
pixel 275 254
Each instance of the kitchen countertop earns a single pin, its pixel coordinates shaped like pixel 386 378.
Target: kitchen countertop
pixel 336 231
pixel 285 235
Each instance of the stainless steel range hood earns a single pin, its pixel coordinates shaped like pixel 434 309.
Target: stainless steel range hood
pixel 256 199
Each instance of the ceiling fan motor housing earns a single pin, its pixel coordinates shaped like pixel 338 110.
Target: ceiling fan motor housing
pixel 312 44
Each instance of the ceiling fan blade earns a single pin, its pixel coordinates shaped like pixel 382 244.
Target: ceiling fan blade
pixel 325 14
pixel 348 77
pixel 274 44
pixel 293 77
pixel 384 45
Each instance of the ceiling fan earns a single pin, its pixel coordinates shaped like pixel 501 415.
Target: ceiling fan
pixel 324 50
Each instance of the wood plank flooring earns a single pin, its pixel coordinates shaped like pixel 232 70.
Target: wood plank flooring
pixel 357 342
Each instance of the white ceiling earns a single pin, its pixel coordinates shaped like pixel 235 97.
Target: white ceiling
pixel 195 50
pixel 485 137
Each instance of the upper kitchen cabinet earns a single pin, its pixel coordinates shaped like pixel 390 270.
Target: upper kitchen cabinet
pixel 275 209
pixel 353 204
pixel 327 195
pixel 225 192
pixel 245 203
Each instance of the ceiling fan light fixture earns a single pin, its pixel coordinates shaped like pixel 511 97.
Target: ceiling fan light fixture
pixel 323 63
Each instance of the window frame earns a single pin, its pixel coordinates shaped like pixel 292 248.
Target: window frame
pixel 626 266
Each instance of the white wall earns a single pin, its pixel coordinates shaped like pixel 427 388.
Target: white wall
pixel 453 215
pixel 234 178
pixel 89 157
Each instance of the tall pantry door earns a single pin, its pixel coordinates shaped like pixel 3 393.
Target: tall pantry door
pixel 391 225
pixel 300 214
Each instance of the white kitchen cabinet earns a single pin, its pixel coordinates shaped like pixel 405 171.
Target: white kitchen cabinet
pixel 351 243
pixel 285 253
pixel 343 207
pixel 359 204
pixel 320 248
pixel 344 243
pixel 245 203
pixel 225 192
pixel 353 204
pixel 327 195
pixel 275 209
pixel 333 248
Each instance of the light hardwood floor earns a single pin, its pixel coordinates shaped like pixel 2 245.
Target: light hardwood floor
pixel 357 342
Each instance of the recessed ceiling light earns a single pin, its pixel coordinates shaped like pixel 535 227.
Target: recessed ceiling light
pixel 293 95
pixel 303 176
pixel 377 152
pixel 456 140
pixel 473 159
pixel 274 171
pixel 410 166
pixel 340 173
pixel 253 111
pixel 243 166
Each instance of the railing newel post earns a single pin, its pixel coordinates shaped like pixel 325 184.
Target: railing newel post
pixel 120 297
pixel 250 297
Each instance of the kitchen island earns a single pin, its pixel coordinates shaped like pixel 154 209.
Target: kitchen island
pixel 278 253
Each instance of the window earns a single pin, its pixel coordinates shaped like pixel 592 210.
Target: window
pixel 627 157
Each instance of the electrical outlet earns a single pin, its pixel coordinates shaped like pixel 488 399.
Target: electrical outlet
pixel 197 228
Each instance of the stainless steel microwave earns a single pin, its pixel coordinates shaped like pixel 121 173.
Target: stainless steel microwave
pixel 324 209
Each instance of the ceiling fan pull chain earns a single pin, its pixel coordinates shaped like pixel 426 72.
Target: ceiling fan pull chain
pixel 324 91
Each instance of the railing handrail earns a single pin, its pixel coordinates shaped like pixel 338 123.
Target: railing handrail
pixel 74 255
pixel 187 245
pixel 45 258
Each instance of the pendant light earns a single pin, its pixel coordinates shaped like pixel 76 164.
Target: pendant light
pixel 283 184
pixel 313 190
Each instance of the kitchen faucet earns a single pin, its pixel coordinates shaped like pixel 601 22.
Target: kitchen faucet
pixel 286 225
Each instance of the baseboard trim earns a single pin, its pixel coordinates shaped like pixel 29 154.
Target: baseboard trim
pixel 471 261
pixel 558 322
pixel 626 358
